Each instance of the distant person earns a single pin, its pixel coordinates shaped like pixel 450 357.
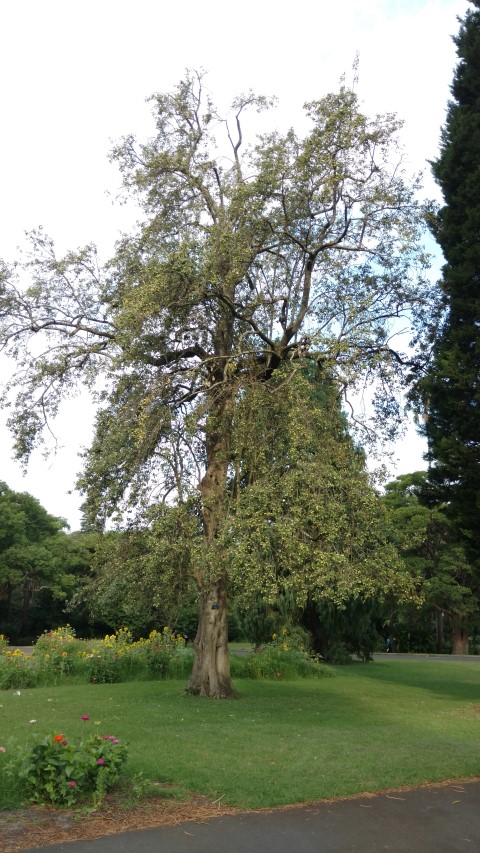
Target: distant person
pixel 389 645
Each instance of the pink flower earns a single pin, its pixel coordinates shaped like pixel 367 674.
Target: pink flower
pixel 100 761
pixel 84 717
pixel 2 749
pixel 72 784
pixel 64 742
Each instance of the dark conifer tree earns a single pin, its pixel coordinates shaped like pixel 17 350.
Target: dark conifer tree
pixel 451 391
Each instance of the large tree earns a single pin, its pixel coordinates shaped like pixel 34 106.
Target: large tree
pixel 451 390
pixel 250 262
pixel 433 553
pixel 35 554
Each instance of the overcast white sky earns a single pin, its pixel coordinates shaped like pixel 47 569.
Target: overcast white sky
pixel 75 77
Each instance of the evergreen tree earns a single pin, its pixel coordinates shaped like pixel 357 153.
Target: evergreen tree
pixel 451 390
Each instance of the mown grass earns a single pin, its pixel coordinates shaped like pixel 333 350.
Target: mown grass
pixel 374 726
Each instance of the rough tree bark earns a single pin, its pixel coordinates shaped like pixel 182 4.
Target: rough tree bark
pixel 211 669
pixel 460 636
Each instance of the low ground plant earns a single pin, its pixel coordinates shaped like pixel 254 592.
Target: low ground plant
pixel 59 771
pixel 11 786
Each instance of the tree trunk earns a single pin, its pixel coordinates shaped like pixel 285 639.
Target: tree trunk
pixel 318 633
pixel 460 636
pixel 211 669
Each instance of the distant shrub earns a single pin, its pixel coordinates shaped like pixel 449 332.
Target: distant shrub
pixel 338 654
pixel 278 659
pixel 17 671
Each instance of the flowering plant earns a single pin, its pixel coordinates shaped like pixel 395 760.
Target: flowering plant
pixel 59 771
pixel 16 671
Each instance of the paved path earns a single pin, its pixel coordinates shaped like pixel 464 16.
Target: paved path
pixel 423 656
pixel 442 819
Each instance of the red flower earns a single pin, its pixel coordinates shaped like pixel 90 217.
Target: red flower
pixel 59 738
pixel 72 784
pixel 84 717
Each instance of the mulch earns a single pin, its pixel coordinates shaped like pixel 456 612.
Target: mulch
pixel 39 826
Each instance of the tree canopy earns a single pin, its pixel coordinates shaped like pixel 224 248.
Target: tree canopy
pixel 429 544
pixel 33 556
pixel 450 392
pixel 251 262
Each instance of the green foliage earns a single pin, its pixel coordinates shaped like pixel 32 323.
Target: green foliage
pixel 450 393
pixel 29 554
pixel 36 557
pixel 338 632
pixel 11 787
pixel 228 277
pixel 17 671
pixel 166 655
pixel 283 658
pixel 59 772
pixel 140 577
pixel 303 516
pixel 428 543
pixel 55 650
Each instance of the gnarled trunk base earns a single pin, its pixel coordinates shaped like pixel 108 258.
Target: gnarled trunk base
pixel 211 668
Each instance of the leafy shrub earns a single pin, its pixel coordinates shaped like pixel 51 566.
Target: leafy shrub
pixel 166 655
pixel 115 658
pixel 59 772
pixel 3 643
pixel 17 671
pixel 105 666
pixel 278 659
pixel 54 654
pixel 338 654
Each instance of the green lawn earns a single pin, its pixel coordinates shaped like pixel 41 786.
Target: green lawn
pixel 374 726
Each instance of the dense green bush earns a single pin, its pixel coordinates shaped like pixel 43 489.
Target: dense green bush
pixel 284 657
